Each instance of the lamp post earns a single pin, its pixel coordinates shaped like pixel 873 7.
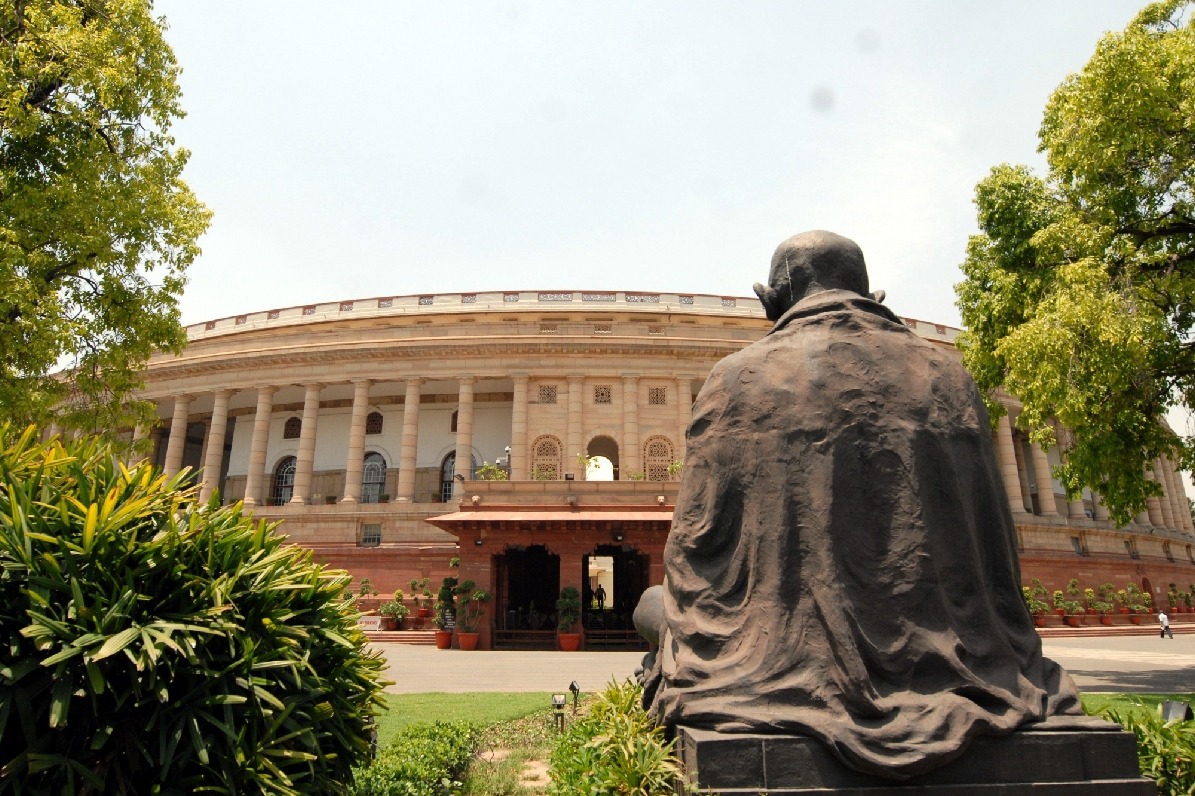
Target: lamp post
pixel 558 701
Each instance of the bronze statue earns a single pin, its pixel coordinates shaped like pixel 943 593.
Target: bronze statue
pixel 842 562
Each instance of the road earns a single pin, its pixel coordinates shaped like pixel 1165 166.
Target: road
pixel 1128 664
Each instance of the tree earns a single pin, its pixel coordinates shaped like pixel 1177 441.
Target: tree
pixel 1079 295
pixel 96 226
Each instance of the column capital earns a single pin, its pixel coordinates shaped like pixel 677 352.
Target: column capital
pixel 266 389
pixel 415 381
pixel 466 379
pixel 523 377
pixel 183 397
pixel 573 378
pixel 359 382
pixel 312 385
pixel 227 392
pixel 631 376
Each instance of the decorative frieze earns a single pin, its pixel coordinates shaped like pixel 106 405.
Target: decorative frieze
pixel 599 297
pixel 555 296
pixel 643 298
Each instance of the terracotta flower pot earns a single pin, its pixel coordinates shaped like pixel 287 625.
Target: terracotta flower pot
pixel 467 641
pixel 389 623
pixel 443 639
pixel 569 642
pixel 1073 620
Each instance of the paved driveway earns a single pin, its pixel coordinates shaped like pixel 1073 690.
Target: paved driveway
pixel 1131 664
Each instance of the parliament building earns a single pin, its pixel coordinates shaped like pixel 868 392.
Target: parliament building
pixel 361 426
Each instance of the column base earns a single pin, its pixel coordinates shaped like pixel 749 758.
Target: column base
pixel 1064 756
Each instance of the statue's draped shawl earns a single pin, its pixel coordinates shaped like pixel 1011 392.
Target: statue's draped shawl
pixel 842 562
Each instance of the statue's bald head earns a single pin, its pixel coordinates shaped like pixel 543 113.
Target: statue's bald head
pixel 809 263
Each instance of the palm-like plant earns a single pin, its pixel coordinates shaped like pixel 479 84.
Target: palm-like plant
pixel 152 644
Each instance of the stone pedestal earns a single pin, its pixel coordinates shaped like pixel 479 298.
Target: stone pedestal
pixel 1071 756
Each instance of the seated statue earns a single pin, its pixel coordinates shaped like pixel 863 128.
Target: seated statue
pixel 842 561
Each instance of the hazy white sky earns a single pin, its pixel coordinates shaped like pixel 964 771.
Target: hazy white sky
pixel 385 148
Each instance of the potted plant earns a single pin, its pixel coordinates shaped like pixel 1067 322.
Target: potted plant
pixel 568 613
pixel 1035 601
pixel 421 595
pixel 1059 600
pixel 445 614
pixel 471 606
pixel 393 612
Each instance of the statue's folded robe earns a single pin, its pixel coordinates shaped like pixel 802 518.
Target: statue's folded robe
pixel 842 562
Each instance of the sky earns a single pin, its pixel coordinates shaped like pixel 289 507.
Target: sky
pixel 361 149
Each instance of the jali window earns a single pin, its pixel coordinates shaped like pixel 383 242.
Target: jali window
pixel 547 393
pixel 603 394
pixel 657 396
pixel 292 429
pixel 373 423
pixel 545 459
pixel 657 456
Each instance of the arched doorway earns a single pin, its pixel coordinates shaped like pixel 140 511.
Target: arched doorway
pixel 526 585
pixel 373 477
pixel 602 448
pixel 622 574
pixel 448 471
pixel 284 481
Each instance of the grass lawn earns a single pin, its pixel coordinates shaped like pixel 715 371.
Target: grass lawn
pixel 480 708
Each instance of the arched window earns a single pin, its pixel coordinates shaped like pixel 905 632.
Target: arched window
pixel 373 478
pixel 545 459
pixel 284 480
pixel 657 456
pixel 292 429
pixel 373 423
pixel 448 471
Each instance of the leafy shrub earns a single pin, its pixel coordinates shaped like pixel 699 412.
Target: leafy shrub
pixel 1165 750
pixel 616 748
pixel 425 760
pixel 149 644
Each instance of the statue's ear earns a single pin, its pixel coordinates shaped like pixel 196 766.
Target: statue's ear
pixel 879 296
pixel 769 299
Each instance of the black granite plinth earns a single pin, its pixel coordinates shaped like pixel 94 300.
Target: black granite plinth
pixel 1064 756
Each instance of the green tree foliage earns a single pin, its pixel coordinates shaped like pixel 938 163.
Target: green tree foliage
pixel 96 226
pixel 1079 295
pixel 152 645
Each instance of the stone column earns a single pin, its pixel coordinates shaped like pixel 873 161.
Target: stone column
pixel 355 460
pixel 214 456
pixel 1164 504
pixel 1098 507
pixel 1045 484
pixel 464 435
pixel 1178 498
pixel 684 414
pixel 256 475
pixel 136 456
pixel 576 426
pixel 630 456
pixel 178 435
pixel 1008 465
pixel 1153 505
pixel 407 460
pixel 518 429
pixel 1023 466
pixel 305 461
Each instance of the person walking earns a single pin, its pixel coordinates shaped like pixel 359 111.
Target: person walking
pixel 600 595
pixel 1164 621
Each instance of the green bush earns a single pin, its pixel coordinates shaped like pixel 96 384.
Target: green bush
pixel 614 748
pixel 425 760
pixel 152 645
pixel 1165 750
